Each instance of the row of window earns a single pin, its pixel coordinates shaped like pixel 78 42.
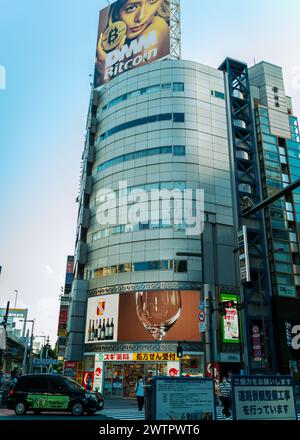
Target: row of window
pixel 293 145
pixel 263 122
pixel 121 229
pixel 176 87
pixel 175 117
pixel 176 150
pixel 284 235
pixel 175 265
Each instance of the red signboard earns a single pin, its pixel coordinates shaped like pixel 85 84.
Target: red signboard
pixel 63 316
pixel 70 266
pixel 70 369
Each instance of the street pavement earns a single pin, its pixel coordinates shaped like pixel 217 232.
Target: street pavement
pixel 114 409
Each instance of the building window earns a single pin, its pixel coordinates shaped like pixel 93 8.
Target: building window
pixel 290 216
pixel 217 94
pixel 176 117
pixel 283 267
pixel 166 86
pixel 271 156
pixel 265 129
pixel 179 150
pixel 176 151
pixel 180 266
pixel 282 151
pixel 246 188
pixel 264 112
pixel 270 148
pixel 176 265
pixel 282 258
pixel 284 279
pixel 285 178
pixel 280 235
pixel 293 237
pixel 269 139
pixel 177 87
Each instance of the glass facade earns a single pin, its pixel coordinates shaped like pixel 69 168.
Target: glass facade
pixel 175 265
pixel 176 87
pixel 177 150
pixel 175 117
pixel 280 165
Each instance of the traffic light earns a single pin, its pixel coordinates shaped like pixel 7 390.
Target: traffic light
pixel 179 351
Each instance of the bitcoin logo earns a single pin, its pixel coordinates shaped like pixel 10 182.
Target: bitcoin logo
pixel 113 35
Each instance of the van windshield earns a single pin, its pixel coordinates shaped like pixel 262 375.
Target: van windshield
pixel 75 386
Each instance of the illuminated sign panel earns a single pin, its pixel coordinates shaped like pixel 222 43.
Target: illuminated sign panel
pixel 168 315
pixel 230 321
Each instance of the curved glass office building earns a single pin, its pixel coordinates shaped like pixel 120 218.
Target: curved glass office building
pixel 156 131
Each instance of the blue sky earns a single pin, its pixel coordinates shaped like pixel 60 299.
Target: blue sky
pixel 47 49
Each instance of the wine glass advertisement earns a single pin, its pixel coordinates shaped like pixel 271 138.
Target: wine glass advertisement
pixel 168 315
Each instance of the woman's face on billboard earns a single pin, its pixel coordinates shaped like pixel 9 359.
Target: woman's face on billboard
pixel 138 14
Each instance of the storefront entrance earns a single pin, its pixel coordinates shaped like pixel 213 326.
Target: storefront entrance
pixel 120 379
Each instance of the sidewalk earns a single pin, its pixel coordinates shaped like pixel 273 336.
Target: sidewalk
pixel 6 412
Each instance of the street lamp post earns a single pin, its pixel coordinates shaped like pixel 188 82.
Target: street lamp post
pixel 25 353
pixel 16 298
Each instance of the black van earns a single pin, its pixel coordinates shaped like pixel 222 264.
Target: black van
pixel 46 392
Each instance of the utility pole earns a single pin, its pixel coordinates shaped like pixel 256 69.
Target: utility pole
pixel 4 323
pixel 31 346
pixel 24 369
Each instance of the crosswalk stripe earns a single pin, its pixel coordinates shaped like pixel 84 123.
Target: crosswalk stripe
pixel 133 414
pixel 124 414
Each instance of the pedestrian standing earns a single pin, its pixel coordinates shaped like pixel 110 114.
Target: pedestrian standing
pixel 225 396
pixel 140 393
pixel 89 383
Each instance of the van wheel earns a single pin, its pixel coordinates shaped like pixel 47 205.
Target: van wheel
pixel 77 409
pixel 21 409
